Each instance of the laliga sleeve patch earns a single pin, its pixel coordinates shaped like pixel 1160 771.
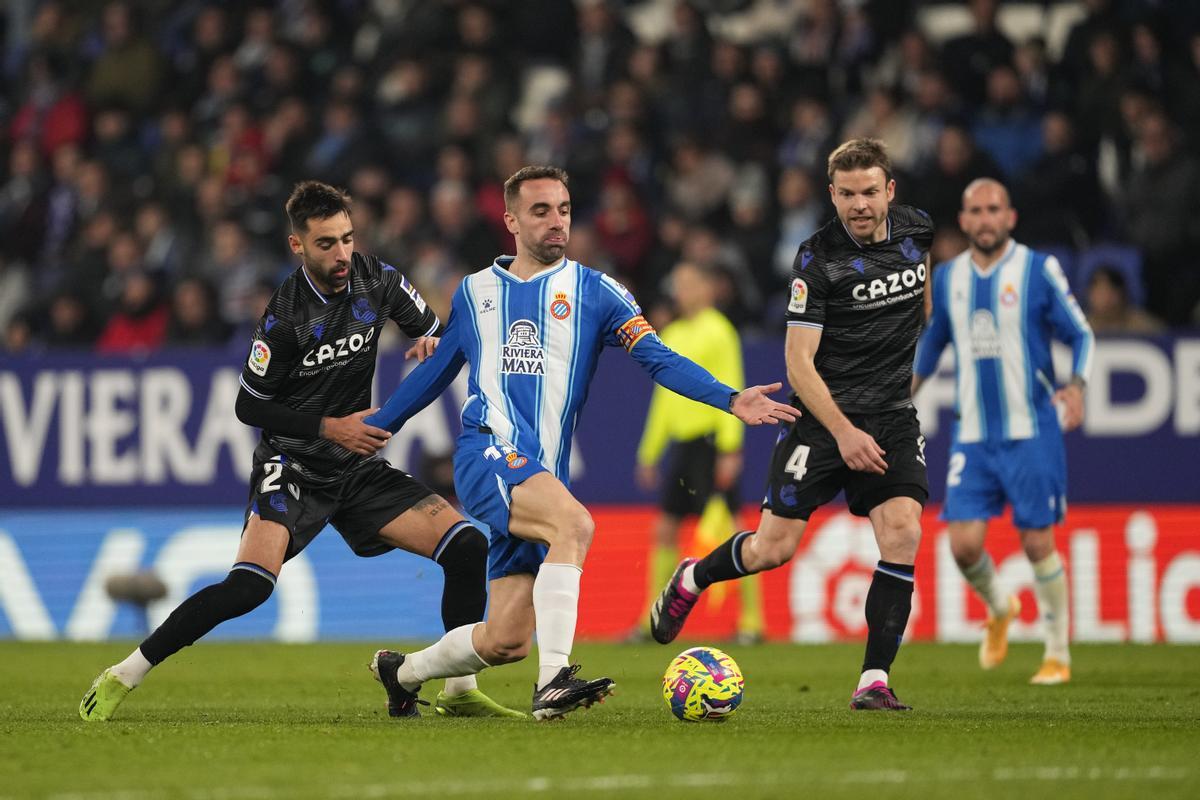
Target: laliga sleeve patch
pixel 799 299
pixel 260 358
pixel 633 331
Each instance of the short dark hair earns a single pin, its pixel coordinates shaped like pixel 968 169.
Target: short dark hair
pixel 860 154
pixel 315 200
pixel 512 186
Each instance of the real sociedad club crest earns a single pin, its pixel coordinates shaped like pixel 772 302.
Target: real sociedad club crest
pixel 362 311
pixel 909 249
pixel 560 308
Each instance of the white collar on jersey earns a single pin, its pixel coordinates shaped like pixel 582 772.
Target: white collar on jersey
pixel 985 272
pixel 316 291
pixel 502 263
pixel 886 221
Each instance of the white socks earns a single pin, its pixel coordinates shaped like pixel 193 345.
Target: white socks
pixel 982 577
pixel 457 686
pixel 132 670
pixel 871 676
pixel 688 578
pixel 1050 585
pixel 452 656
pixel 555 608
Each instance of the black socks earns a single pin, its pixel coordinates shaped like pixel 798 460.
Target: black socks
pixel 724 563
pixel 889 602
pixel 462 555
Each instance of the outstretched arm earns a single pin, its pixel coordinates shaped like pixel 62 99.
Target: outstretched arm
pixel 685 377
pixel 423 384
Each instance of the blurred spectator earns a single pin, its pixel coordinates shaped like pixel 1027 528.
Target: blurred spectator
pixel 1059 195
pixel 53 114
pixel 970 58
pixel 235 267
pixel 801 208
pixel 604 44
pixel 163 249
pixel 1101 18
pixel 16 289
pixel 1109 309
pixel 69 322
pixel 18 335
pixel 23 203
pixel 807 143
pixel 1006 127
pixel 882 116
pixel 699 181
pixel 957 162
pixel 402 224
pixel 625 230
pixel 1097 106
pixel 1160 217
pixel 456 225
pixel 139 325
pixel 127 71
pixel 194 321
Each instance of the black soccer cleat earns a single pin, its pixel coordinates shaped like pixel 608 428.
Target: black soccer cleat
pixel 672 607
pixel 877 697
pixel 401 702
pixel 565 693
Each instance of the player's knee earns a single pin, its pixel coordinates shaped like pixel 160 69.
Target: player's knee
pixel 768 554
pixel 576 528
pixel 966 553
pixel 247 588
pixel 466 550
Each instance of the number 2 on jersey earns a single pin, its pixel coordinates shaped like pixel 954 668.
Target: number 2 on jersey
pixel 797 463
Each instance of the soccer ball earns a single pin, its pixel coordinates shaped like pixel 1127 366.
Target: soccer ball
pixel 703 684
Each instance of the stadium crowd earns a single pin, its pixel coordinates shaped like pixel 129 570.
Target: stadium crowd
pixel 146 149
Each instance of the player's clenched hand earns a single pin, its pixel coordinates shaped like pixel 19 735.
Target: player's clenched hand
pixel 422 348
pixel 1070 400
pixel 753 407
pixel 860 451
pixel 354 434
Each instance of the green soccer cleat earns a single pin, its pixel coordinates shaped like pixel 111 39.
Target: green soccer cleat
pixel 473 703
pixel 102 699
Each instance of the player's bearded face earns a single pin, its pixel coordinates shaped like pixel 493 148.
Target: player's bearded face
pixel 861 197
pixel 543 220
pixel 987 219
pixel 326 248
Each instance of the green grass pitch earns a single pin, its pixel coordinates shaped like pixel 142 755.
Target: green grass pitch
pixel 263 721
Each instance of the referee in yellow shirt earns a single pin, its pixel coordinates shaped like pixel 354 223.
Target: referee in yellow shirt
pixel 703 445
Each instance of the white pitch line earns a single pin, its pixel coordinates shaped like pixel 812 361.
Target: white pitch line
pixel 609 783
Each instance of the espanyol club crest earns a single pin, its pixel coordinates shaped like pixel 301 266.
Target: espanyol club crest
pixel 1009 295
pixel 560 308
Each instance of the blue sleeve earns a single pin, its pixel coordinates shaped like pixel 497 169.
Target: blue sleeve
pixel 1067 319
pixel 937 333
pixel 680 375
pixel 423 384
pixel 624 325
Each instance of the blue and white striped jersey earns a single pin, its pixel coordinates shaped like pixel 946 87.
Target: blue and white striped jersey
pixel 1001 322
pixel 532 346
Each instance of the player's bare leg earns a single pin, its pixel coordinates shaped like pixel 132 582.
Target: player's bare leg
pixel 434 529
pixel 897 524
pixel 975 564
pixel 744 553
pixel 544 511
pixel 1050 586
pixel 248 585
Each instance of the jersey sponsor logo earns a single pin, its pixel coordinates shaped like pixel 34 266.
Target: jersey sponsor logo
pixel 560 308
pixel 633 331
pixel 895 283
pixel 799 300
pixel 523 353
pixel 341 348
pixel 260 358
pixel 1008 296
pixel 362 311
pixel 985 338
pixel 412 292
pixel 909 249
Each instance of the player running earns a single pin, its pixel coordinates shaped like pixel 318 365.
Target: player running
pixel 307 384
pixel 854 316
pixel 1000 304
pixel 532 327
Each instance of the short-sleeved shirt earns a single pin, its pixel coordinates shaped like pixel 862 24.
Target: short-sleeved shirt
pixel 316 353
pixel 868 301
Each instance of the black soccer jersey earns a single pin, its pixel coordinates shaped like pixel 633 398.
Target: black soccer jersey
pixel 867 299
pixel 316 353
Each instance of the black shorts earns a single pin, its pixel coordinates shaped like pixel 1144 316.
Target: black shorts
pixel 359 505
pixel 807 471
pixel 687 481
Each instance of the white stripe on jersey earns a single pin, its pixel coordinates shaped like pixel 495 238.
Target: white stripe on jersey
pixel 1063 296
pixel 480 288
pixel 1010 312
pixel 560 339
pixel 959 288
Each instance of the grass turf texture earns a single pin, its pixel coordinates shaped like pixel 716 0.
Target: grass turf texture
pixel 263 721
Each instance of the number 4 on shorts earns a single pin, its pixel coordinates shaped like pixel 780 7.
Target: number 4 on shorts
pixel 797 463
